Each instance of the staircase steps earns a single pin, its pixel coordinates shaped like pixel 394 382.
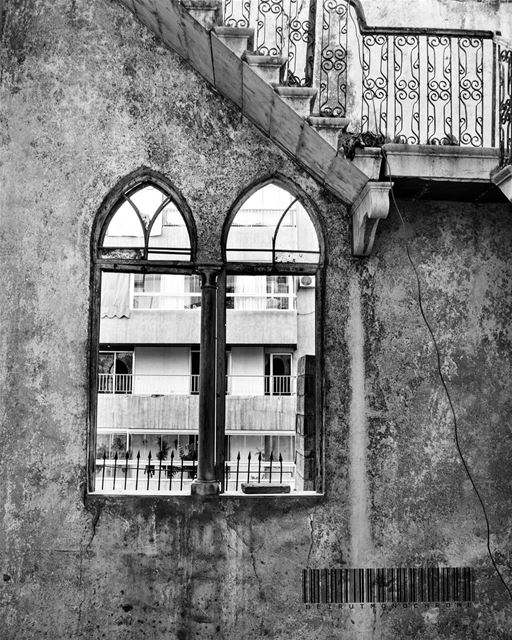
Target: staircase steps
pixel 270 68
pixel 206 12
pixel 329 128
pixel 192 29
pixel 299 98
pixel 239 40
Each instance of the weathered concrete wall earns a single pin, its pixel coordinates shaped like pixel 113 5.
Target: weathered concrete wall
pixel 494 15
pixel 87 97
pixel 461 257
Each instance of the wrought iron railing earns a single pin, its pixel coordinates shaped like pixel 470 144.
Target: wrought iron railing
pixel 415 86
pixel 259 472
pixel 158 474
pixel 430 87
pixel 405 85
pixel 183 384
pixel 504 62
pixel 282 28
pixel 153 473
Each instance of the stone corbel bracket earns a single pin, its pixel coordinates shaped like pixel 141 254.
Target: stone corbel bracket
pixel 503 180
pixel 371 205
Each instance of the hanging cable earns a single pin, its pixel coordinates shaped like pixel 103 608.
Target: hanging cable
pixel 445 387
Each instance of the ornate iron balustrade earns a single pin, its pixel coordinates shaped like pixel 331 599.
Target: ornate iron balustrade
pixel 430 87
pixel 333 59
pixel 415 86
pixel 504 62
pixel 282 28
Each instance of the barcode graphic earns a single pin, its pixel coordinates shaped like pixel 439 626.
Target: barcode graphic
pixel 416 584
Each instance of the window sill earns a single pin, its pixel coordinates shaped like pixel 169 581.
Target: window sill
pixel 177 501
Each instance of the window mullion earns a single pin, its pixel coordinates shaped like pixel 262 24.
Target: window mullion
pixel 206 482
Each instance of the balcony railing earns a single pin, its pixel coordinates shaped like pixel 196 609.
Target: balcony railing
pixel 429 87
pixel 405 85
pixel 504 62
pixel 184 384
pixel 148 384
pixel 115 383
pixel 248 385
pixel 151 474
pixel 282 28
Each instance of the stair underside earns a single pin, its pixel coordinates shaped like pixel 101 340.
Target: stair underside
pixel 256 99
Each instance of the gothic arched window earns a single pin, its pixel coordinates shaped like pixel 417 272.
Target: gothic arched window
pixel 273 278
pixel 146 335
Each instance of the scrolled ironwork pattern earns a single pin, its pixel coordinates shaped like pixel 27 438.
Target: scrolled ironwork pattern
pixel 505 105
pixel 471 91
pixel 333 63
pixel 284 28
pixel 375 83
pixel 439 90
pixel 406 66
pixel 270 27
pixel 237 13
pixel 300 39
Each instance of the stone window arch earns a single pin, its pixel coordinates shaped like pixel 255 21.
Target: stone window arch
pixel 272 280
pixel 144 329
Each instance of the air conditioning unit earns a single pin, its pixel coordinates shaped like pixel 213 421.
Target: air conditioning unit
pixel 306 282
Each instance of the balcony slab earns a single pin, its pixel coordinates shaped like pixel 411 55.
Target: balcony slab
pixel 435 162
pixel 369 161
pixel 181 413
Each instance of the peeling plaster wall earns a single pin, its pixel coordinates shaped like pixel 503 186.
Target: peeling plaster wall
pixel 493 15
pixel 89 96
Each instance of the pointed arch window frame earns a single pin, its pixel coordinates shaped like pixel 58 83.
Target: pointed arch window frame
pixel 126 260
pixel 255 267
pixel 113 204
pixel 298 196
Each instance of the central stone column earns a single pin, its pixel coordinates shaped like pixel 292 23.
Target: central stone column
pixel 206 483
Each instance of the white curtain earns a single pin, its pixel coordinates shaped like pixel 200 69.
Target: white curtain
pixel 115 295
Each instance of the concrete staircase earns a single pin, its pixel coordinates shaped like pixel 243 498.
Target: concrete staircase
pixel 224 56
pixel 272 69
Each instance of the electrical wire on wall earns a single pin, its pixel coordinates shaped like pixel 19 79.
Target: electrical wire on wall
pixel 445 387
pixel 436 348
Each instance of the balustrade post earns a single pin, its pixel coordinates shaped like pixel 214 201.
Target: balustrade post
pixel 206 482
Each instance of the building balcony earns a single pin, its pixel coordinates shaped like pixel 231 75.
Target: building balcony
pixel 179 384
pixel 169 403
pixel 244 326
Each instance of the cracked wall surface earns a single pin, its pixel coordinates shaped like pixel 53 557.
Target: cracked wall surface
pixel 87 97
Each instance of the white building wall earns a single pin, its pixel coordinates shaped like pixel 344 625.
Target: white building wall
pixel 247 371
pixel 305 322
pixel 161 370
